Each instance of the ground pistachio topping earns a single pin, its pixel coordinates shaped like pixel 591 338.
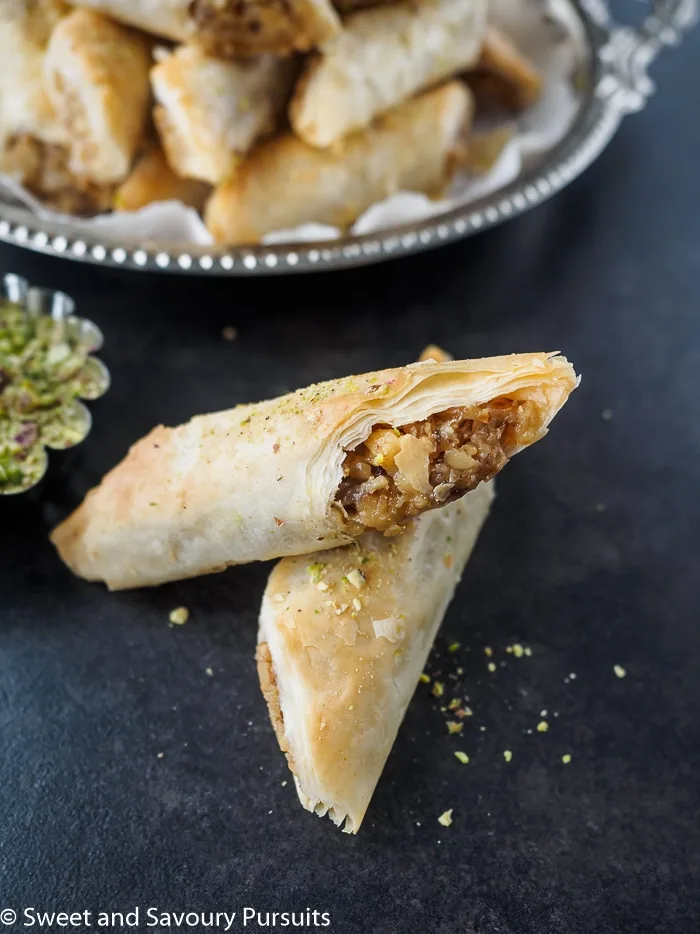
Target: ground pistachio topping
pixel 315 571
pixel 179 616
pixel 446 818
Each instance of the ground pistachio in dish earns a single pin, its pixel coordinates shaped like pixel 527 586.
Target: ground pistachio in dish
pixel 45 369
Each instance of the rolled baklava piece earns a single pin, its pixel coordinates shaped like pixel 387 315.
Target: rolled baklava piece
pixel 210 112
pixel 151 179
pixel 25 109
pixel 229 28
pixel 285 182
pixel 96 75
pixel 382 57
pixel 343 638
pixel 310 470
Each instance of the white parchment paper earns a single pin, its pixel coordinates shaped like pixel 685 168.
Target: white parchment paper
pixel 547 31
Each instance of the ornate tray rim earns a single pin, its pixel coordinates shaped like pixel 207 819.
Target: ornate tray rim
pixel 617 84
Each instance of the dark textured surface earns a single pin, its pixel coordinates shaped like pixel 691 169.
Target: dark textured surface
pixel 590 557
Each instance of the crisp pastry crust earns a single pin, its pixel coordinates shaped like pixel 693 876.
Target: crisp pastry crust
pixel 503 76
pixel 382 57
pixel 25 27
pixel 486 146
pixel 286 182
pixel 167 18
pixel 261 481
pixel 211 112
pixel 92 67
pixel 230 29
pixel 151 179
pixel 36 17
pixel 343 638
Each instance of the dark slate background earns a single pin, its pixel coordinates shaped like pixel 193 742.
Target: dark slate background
pixel 590 557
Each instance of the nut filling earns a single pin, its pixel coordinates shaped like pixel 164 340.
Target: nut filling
pixel 229 28
pixel 398 473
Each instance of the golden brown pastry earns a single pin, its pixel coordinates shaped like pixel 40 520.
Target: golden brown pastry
pixel 503 76
pixel 230 28
pixel 485 148
pixel 343 638
pixel 311 470
pixel 382 57
pixel 96 77
pixel 151 179
pixel 211 112
pixel 42 168
pixel 168 18
pixel 25 110
pixel 286 182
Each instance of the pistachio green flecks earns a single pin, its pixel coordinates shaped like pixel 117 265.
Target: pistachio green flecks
pixel 179 616
pixel 45 369
pixel 315 571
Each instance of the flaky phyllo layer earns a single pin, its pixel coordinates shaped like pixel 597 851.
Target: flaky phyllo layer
pixel 313 469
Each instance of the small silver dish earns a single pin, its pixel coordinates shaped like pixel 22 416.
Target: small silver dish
pixel 26 435
pixel 613 83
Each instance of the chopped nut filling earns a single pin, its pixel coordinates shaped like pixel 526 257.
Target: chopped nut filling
pixel 268 684
pixel 398 473
pixel 229 28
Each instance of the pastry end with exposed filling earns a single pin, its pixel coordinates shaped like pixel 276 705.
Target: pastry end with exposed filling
pixel 398 473
pixel 232 29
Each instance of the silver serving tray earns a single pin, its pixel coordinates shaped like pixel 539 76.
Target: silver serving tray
pixel 614 83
